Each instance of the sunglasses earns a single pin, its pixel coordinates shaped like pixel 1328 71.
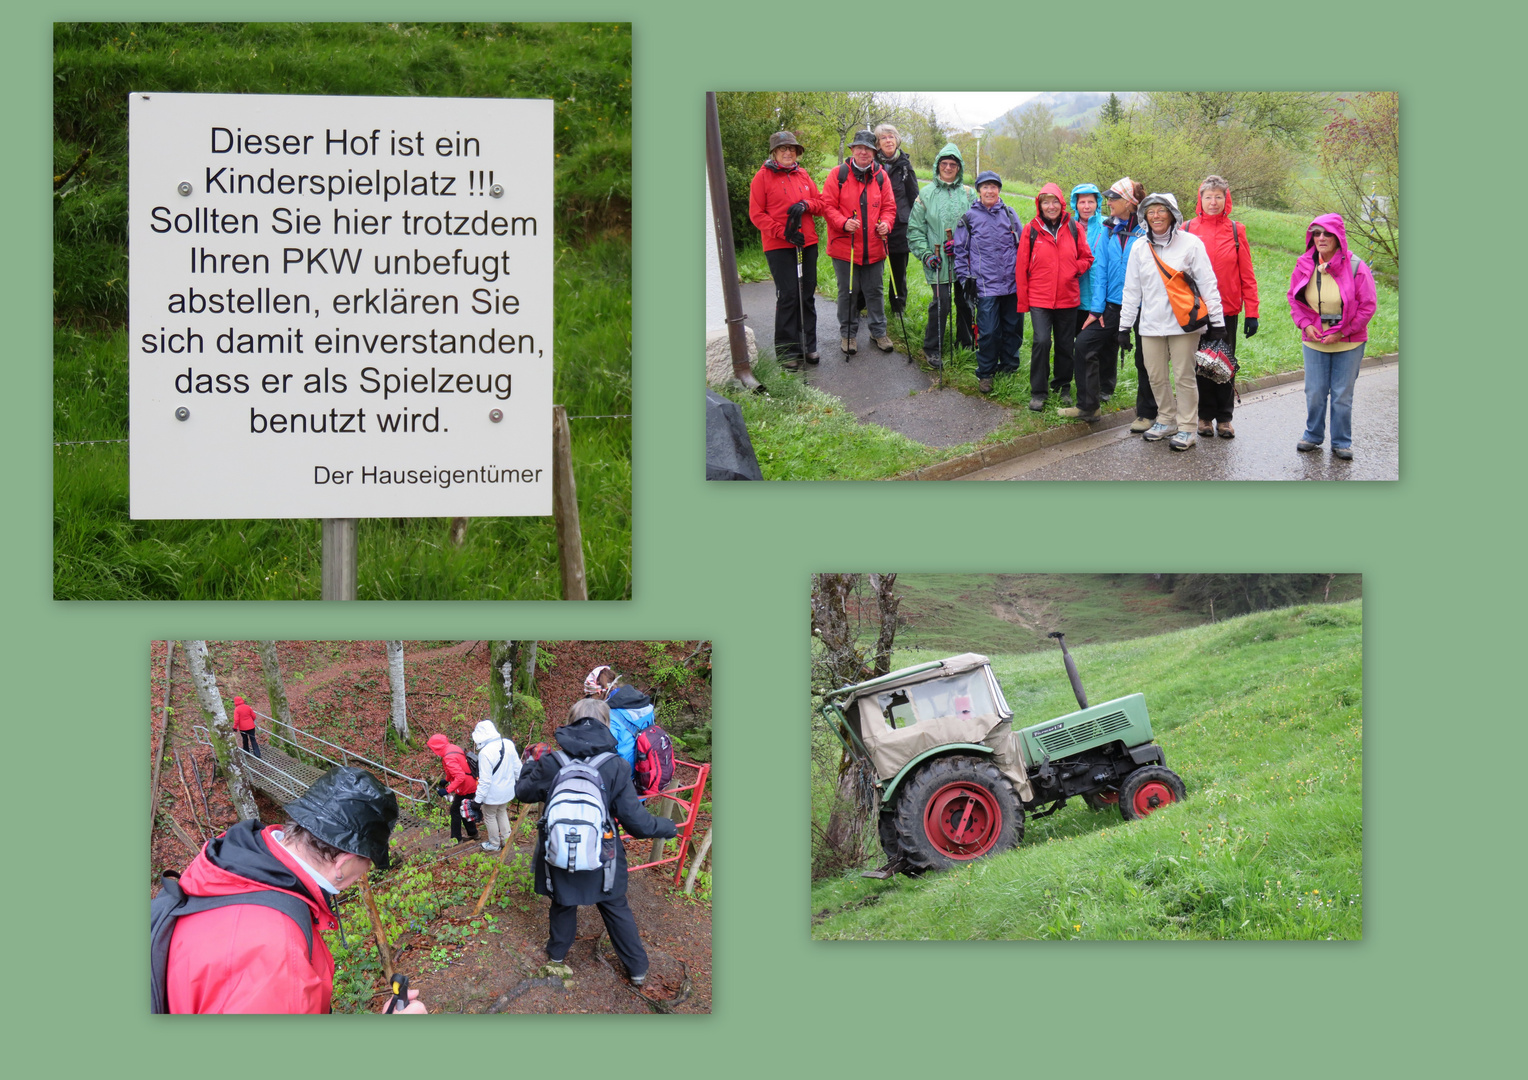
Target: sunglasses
pixel 1321 232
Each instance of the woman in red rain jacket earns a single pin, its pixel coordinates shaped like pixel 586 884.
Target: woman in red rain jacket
pixel 782 199
pixel 460 784
pixel 859 202
pixel 1231 256
pixel 1053 255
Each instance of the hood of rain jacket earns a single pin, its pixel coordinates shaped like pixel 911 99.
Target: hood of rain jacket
pixel 1050 267
pixel 498 765
pixel 247 959
pixel 630 712
pixel 459 778
pixel 939 207
pixel 1355 283
pixel 1230 255
pixel 243 716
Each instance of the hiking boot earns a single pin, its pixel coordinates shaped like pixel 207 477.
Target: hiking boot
pixel 1224 429
pixel 1158 432
pixel 846 346
pixel 638 980
pixel 1182 440
pixel 1037 404
pixel 1306 447
pixel 1343 452
pixel 1207 428
pixel 793 364
pixel 813 358
pixel 1141 424
pixel 489 845
pixel 1066 399
pixel 1103 399
pixel 884 343
pixel 984 385
pixel 933 361
pixel 1070 413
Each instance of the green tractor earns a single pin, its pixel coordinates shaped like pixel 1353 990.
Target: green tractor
pixel 955 778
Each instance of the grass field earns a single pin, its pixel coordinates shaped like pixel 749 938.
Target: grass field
pixel 1262 716
pixel 99 553
pixel 822 447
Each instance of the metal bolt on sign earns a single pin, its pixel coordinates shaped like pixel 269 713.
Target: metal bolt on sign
pixel 496 415
pixel 182 413
pixel 497 191
pixel 184 187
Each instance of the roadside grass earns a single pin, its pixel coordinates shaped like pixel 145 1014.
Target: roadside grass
pixel 1277 240
pixel 1262 716
pixel 99 553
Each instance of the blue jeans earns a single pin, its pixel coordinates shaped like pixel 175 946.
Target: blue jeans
pixel 999 335
pixel 1330 376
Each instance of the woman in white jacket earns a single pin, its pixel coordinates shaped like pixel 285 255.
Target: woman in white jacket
pixel 1167 350
pixel 498 769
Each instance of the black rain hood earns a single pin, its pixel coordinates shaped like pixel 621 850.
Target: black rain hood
pixel 350 809
pixel 585 738
pixel 626 697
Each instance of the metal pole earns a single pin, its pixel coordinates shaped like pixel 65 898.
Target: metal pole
pixel 339 559
pixel 570 536
pixel 721 221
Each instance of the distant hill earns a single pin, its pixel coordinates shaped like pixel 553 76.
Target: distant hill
pixel 1071 108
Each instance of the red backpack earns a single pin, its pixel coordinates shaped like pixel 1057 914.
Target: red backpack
pixel 654 760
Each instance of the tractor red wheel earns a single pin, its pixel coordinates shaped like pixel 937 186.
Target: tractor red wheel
pixel 1149 789
pixel 962 820
pixel 1101 800
pixel 955 809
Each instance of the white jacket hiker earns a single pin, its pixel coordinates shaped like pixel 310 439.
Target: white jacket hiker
pixel 498 769
pixel 1144 291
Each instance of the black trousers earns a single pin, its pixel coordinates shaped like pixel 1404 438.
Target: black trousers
pixel 896 298
pixel 457 820
pixel 792 307
pixel 247 740
pixel 620 924
pixel 1216 400
pixel 939 308
pixel 1060 323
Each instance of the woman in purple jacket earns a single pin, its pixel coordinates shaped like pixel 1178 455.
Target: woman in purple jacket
pixel 1331 297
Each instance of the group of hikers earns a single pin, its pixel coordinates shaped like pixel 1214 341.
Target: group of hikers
pixel 235 932
pixel 1076 268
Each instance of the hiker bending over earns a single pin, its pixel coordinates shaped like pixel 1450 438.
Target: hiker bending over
pixel 459 785
pixel 264 954
pixel 586 763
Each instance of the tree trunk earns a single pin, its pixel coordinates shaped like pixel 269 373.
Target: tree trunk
pixel 887 602
pixel 395 680
pixel 501 683
pixel 853 804
pixel 528 668
pixel 839 663
pixel 275 692
pixel 164 735
pixel 220 730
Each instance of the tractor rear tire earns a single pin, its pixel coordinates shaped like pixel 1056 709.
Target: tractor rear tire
pixel 886 827
pixel 1149 788
pixel 953 810
pixel 1102 800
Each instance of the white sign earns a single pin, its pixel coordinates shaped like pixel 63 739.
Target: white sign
pixel 339 306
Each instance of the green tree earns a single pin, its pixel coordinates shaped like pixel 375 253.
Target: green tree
pixel 1223 595
pixel 747 120
pixel 1113 112
pixel 1360 149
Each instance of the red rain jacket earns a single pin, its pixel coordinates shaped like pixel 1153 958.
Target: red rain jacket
pixel 459 778
pixel 247 959
pixel 243 716
pixel 770 198
pixel 1233 268
pixel 874 200
pixel 1049 266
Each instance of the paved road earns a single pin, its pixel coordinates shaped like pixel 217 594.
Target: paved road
pixel 879 388
pixel 1268 424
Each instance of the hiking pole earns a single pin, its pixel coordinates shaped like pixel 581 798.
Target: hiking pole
pixel 949 237
pixel 902 302
pixel 400 998
pixel 853 303
pixel 801 304
pixel 943 357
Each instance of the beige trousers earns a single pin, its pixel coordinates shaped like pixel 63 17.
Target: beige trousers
pixel 496 817
pixel 1171 359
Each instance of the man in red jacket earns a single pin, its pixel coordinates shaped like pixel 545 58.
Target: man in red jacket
pixel 1231 256
pixel 460 785
pixel 1053 255
pixel 860 206
pixel 249 958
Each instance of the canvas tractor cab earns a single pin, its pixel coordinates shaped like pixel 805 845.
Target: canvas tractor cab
pixel 955 777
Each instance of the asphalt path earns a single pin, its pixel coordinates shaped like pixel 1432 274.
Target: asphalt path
pixel 1268 424
pixel 879 388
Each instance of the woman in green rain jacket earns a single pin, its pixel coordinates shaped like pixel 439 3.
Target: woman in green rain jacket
pixel 941 204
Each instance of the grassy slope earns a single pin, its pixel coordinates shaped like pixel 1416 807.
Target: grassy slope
pixel 1263 718
pixel 801 443
pixel 98 552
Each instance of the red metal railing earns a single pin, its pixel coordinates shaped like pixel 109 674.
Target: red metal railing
pixel 696 785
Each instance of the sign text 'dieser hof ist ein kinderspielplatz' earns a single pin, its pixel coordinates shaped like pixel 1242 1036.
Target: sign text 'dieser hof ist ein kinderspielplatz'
pixel 340 306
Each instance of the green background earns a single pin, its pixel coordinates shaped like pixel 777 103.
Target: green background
pixel 1430 985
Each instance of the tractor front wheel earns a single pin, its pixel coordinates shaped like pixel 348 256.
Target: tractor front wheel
pixel 1147 789
pixel 1101 800
pixel 953 810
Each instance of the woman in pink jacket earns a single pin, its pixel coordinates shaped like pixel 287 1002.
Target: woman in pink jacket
pixel 1332 299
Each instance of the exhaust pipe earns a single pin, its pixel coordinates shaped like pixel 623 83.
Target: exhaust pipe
pixel 1071 669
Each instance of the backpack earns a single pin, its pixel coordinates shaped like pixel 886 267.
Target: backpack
pixel 166 909
pixel 655 760
pixel 579 833
pixel 1183 295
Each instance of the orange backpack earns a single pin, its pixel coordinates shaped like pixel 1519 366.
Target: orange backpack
pixel 1183 294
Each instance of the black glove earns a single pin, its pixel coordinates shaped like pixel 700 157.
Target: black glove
pixel 1124 338
pixel 1214 333
pixel 1249 327
pixel 793 231
pixel 968 289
